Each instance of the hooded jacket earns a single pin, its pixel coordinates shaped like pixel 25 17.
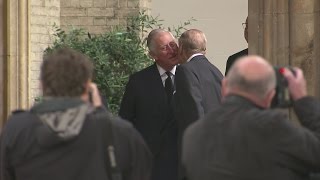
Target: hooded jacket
pixel 63 139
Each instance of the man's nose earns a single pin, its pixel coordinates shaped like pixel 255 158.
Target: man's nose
pixel 172 47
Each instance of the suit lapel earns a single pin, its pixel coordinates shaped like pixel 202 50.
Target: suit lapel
pixel 157 86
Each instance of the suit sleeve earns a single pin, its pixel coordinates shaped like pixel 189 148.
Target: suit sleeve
pixel 190 97
pixel 300 146
pixel 308 112
pixel 127 107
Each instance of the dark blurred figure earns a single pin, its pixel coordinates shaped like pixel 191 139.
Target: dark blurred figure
pixel 244 139
pixel 232 59
pixel 66 137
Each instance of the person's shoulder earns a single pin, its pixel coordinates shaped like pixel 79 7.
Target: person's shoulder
pixel 121 124
pixel 144 71
pixel 125 132
pixel 196 60
pixel 19 116
pixel 194 128
pixel 19 121
pixel 239 54
pixel 267 119
pixel 199 61
pixel 101 114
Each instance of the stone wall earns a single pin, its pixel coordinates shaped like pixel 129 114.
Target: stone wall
pixel 97 16
pixel 43 15
pixel 286 32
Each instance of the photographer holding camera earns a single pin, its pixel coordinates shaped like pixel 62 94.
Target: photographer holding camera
pixel 70 135
pixel 244 139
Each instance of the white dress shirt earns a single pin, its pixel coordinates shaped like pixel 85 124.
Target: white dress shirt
pixel 163 74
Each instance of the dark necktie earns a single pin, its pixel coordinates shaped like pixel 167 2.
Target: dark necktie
pixel 168 85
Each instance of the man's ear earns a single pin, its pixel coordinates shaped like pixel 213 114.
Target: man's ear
pixel 269 97
pixel 87 86
pixel 85 94
pixel 152 55
pixel 224 87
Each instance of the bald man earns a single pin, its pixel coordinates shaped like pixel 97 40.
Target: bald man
pixel 244 139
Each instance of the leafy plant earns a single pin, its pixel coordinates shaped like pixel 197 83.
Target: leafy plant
pixel 116 54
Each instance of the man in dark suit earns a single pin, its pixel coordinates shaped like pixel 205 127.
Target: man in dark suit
pixel 234 57
pixel 244 139
pixel 147 104
pixel 198 82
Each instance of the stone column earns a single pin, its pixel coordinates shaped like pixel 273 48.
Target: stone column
pixel 2 60
pixel 15 56
pixel 286 32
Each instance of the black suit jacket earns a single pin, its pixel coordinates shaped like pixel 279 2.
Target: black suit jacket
pixel 233 58
pixel 198 90
pixel 145 105
pixel 240 140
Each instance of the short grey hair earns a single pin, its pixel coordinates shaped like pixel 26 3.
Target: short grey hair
pixel 260 86
pixel 152 35
pixel 193 41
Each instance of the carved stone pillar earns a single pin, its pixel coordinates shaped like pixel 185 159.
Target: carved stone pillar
pixel 287 32
pixel 14 56
pixel 2 60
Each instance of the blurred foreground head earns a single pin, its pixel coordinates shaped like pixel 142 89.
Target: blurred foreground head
pixel 65 73
pixel 253 78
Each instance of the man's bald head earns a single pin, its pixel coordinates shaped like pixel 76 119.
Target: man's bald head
pixel 253 75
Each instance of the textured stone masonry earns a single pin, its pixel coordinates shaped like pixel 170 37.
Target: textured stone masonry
pixel 96 16
pixel 43 15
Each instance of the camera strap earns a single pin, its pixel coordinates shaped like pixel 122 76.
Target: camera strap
pixel 113 170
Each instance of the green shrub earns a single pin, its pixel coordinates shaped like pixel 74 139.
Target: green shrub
pixel 116 54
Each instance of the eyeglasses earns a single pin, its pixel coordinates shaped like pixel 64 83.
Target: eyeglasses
pixel 244 25
pixel 172 45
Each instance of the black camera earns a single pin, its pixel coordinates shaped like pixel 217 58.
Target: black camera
pixel 282 97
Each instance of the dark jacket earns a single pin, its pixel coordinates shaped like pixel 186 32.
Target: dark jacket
pixel 233 58
pixel 240 141
pixel 198 90
pixel 63 139
pixel 145 105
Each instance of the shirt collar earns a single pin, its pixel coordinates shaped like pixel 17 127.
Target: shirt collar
pixel 194 55
pixel 162 71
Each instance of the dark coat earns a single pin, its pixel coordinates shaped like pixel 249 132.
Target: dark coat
pixel 145 105
pixel 239 140
pixel 198 90
pixel 232 59
pixel 31 149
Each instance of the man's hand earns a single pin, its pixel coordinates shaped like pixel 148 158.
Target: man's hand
pixel 95 96
pixel 296 83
